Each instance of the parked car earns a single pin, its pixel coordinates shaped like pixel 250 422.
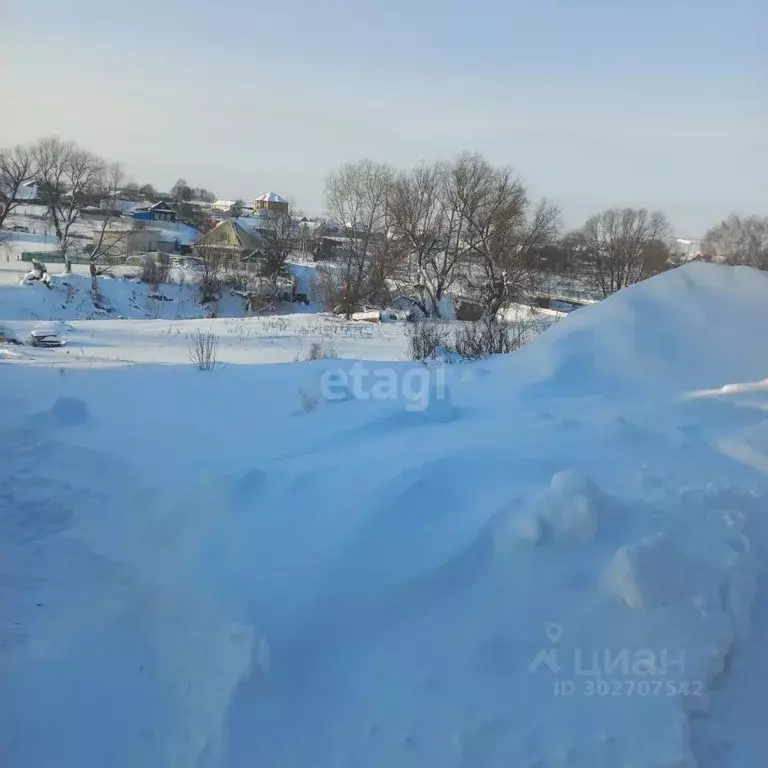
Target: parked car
pixel 19 228
pixel 47 335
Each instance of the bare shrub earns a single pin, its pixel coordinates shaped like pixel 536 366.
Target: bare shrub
pixel 260 299
pixel 480 339
pixel 308 402
pixel 430 340
pixel 203 346
pixel 210 289
pixel 332 290
pixel 426 338
pixel 211 262
pixel 154 272
pixel 318 352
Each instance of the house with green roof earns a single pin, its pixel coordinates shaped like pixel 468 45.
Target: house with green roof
pixel 234 241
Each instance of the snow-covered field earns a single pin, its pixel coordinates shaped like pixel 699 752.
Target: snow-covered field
pixel 550 558
pixel 248 341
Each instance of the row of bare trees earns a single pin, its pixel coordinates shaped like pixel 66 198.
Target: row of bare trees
pixel 429 228
pixel 468 220
pixel 738 240
pixel 68 179
pixel 471 228
pixel 464 226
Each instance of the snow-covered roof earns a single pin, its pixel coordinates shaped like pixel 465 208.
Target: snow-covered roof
pixel 249 223
pixel 240 229
pixel 162 206
pixel 123 205
pixel 27 191
pixel 176 230
pixel 271 197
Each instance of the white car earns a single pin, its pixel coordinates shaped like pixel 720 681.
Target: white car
pixel 47 335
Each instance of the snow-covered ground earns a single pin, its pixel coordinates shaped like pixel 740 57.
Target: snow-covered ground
pixel 550 558
pixel 249 341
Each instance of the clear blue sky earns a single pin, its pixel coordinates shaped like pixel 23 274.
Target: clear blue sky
pixel 661 103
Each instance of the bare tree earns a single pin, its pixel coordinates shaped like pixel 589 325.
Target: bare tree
pixel 501 235
pixel 15 168
pixel 106 238
pixel 202 194
pixel 280 236
pixel 619 247
pixel 211 261
pixel 428 226
pixel 66 176
pixel 739 241
pixel 181 192
pixel 148 191
pixel 130 191
pixel 357 195
pixel 194 216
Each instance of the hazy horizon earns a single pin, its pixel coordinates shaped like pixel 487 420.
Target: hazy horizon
pixel 661 106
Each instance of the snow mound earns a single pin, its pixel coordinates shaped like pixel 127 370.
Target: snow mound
pixel 569 509
pixel 674 332
pixel 70 411
pixel 657 571
pixel 572 506
pixel 555 564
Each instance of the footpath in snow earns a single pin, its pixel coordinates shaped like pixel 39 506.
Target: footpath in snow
pixel 551 558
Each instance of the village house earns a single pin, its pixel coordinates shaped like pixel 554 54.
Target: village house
pixel 158 212
pixel 223 206
pixel 165 237
pixel 233 241
pixel 271 202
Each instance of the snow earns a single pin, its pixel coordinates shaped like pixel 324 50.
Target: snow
pixel 271 197
pixel 41 235
pixel 177 230
pixel 125 206
pixel 223 205
pixel 70 411
pixel 546 559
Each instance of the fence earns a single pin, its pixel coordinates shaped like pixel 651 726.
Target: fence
pixel 57 257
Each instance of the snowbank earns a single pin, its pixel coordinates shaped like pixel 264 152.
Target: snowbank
pixel 547 564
